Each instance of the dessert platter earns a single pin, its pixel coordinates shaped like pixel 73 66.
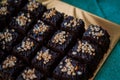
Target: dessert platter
pixel 52 40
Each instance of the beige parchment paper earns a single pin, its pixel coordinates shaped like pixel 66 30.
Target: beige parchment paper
pixel 112 28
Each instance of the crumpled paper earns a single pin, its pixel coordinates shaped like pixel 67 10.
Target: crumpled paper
pixel 112 28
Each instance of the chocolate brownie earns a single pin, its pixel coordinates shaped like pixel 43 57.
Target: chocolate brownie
pixel 85 51
pixel 8 39
pixel 61 41
pixel 26 49
pixel 96 34
pixel 41 32
pixel 22 23
pixel 73 25
pixel 10 68
pixel 35 8
pixel 69 69
pixel 53 17
pixel 46 60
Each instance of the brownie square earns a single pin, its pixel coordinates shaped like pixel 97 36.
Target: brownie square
pixel 53 17
pixel 9 38
pixel 69 69
pixel 41 32
pixel 26 49
pixel 30 74
pixel 35 8
pixel 46 60
pixel 22 23
pixel 73 25
pixel 85 51
pixel 61 41
pixel 10 68
pixel 96 34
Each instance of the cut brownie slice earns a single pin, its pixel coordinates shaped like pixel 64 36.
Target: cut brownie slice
pixel 61 41
pixel 73 25
pixel 35 8
pixel 10 68
pixel 53 17
pixel 46 60
pixel 70 69
pixel 98 35
pixel 41 32
pixel 85 51
pixel 26 49
pixel 22 23
pixel 30 74
pixel 9 38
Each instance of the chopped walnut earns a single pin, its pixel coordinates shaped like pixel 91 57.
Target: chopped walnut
pixel 40 28
pixel 44 55
pixel 50 14
pixel 73 23
pixel 96 32
pixel 29 74
pixel 26 45
pixel 3 10
pixel 6 37
pixel 32 5
pixel 22 19
pixel 60 37
pixel 85 48
pixel 9 62
pixel 69 68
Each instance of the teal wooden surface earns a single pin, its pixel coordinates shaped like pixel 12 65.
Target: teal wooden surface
pixel 110 10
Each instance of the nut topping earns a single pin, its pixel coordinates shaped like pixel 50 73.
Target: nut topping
pixel 96 32
pixel 6 37
pixel 26 45
pixel 32 5
pixel 72 23
pixel 9 62
pixel 50 14
pixel 69 68
pixel 60 37
pixel 40 28
pixel 44 55
pixel 29 74
pixel 22 19
pixel 3 10
pixel 84 48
